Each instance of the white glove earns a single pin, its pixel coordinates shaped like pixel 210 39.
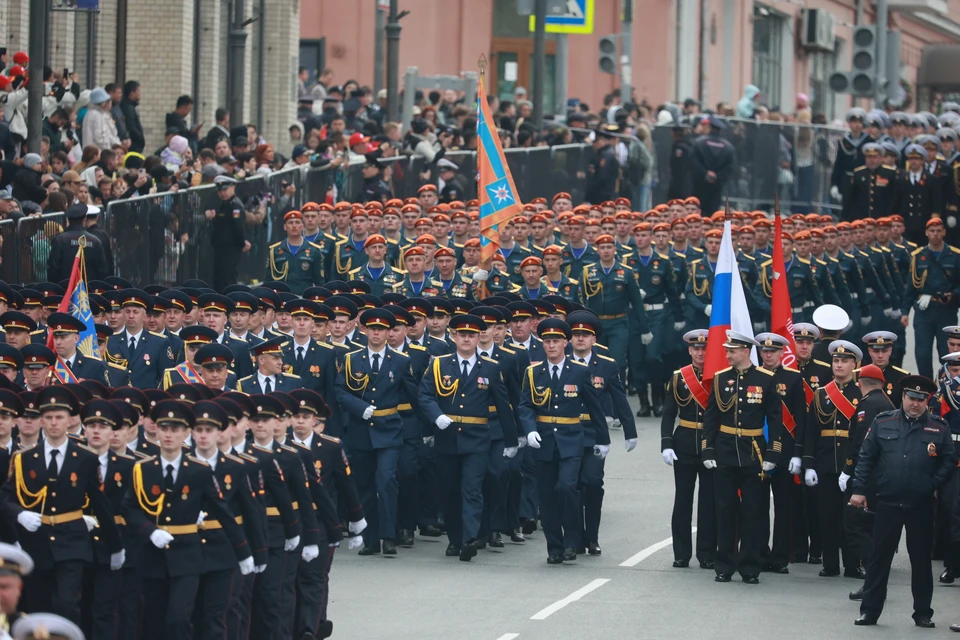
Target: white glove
pixel 333 545
pixel 480 275
pixel 769 466
pixel 865 320
pixel 533 439
pixel 355 542
pixel 117 559
pixel 358 526
pixel 646 338
pixel 368 412
pixel 29 520
pixel 200 517
pixel 678 326
pixel 246 566
pixel 310 552
pixel 810 478
pixel 707 309
pixel 616 424
pixel 794 466
pixel 835 193
pixel 888 313
pixel 630 444
pixel 924 302
pixel 842 482
pixel 291 544
pixel 710 464
pixel 510 452
pixel 758 327
pixel 428 441
pixel 609 421
pixel 643 294
pixel 521 443
pixel 443 422
pixel 260 568
pixel 670 456
pixel 951 221
pixel 602 449
pixel 91 522
pixel 161 538
pixel 897 314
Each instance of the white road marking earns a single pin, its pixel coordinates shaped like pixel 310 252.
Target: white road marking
pixel 508 636
pixel 543 614
pixel 649 551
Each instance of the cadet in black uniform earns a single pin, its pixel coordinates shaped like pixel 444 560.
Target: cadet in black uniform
pixel 743 396
pixel 681 443
pixel 909 453
pixel 227 233
pixel 919 195
pixel 712 165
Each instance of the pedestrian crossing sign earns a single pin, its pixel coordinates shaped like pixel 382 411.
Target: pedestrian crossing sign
pixel 577 19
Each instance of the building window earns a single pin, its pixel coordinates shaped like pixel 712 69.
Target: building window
pixel 767 48
pixel 822 99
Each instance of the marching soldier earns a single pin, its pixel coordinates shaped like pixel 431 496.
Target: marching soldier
pixel 376 272
pixel 577 253
pixel 801 283
pixel 144 354
pixel 830 417
pixel 557 281
pixel 681 444
pixel 699 289
pixel 270 375
pixel 743 397
pixel 72 365
pixel 186 372
pixel 313 361
pixel 533 287
pixel 415 283
pixel 872 191
pixel 295 261
pixel 919 195
pixel 453 285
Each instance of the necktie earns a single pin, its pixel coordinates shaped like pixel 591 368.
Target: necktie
pixel 133 344
pixel 484 354
pixel 267 387
pixel 556 375
pixel 376 363
pixel 53 468
pixel 168 478
pixel 581 360
pixel 299 357
pixel 465 364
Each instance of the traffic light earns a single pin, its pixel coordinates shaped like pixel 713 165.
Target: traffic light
pixel 608 54
pixel 863 75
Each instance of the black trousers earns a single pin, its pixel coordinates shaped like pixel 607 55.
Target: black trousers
pixel 226 260
pixel 591 495
pixel 687 470
pixel 217 591
pixel 408 477
pixel 889 524
pixel 101 597
pixel 784 493
pixel 744 513
pixel 557 481
pixel 289 601
pixel 313 591
pixel 169 609
pixel 428 509
pixel 128 610
pixel 238 622
pixel 513 486
pixel 495 484
pixel 830 505
pixel 268 597
pixel 56 590
pixel 806 523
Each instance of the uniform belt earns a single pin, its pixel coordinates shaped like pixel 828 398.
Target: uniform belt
pixel 834 433
pixel 690 424
pixel 403 407
pixel 615 316
pixel 380 413
pixel 653 307
pixel 558 420
pixel 737 431
pixel 468 420
pixel 119 520
pixel 273 511
pixel 207 525
pixel 180 529
pixel 63 518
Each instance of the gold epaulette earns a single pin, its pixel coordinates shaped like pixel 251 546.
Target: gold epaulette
pixel 769 373
pixel 896 368
pixel 233 458
pixel 748 257
pixel 124 456
pixel 401 353
pixel 763 265
pixel 286 448
pixel 724 370
pixel 821 362
pixel 115 366
pixel 582 364
pixel 198 460
pixel 330 438
pixel 275 244
pixel 301 445
pixel 954 249
pixel 314 245
pixel 916 251
pixel 508 350
pixel 291 375
pixel 80 445
pixel 247 457
pixel 803 260
pixel 607 358
pixel 791 369
pixel 353 271
pixel 268 450
pixel 418 347
pixel 146 458
pixel 489 359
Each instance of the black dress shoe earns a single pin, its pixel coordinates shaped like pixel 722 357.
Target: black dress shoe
pixel 480 544
pixel 593 548
pixel 369 550
pixel 866 620
pixel 554 559
pixel 947 577
pixel 815 560
pixel 857 595
pixel 517 536
pixel 406 538
pixel 389 547
pixel 581 550
pixel 452 550
pixel 657 411
pixel 751 580
pixel 569 555
pixel 829 573
pixel 529 526
pixel 495 540
pixel 681 564
pixel 924 622
pixel 800 560
pixel 722 577
pixel 467 551
pixel 706 564
pixel 430 531
pixel 779 569
pixel 325 630
pixel 643 412
pixel 308 635
pixel 856 572
pixel 441 526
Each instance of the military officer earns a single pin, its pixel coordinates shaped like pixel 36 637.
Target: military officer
pixel 186 372
pixel 872 190
pixel 294 260
pixel 348 253
pixel 213 361
pixel 557 281
pixel 270 375
pixel 919 195
pixel 533 286
pixel 144 354
pixel 849 157
pixel 513 252
pixel 830 417
pixel 880 347
pixel 555 430
pixel 71 365
pixel 801 283
pixel 453 285
pixel 743 396
pixel 216 309
pixel 313 361
pixel 466 383
pixel 415 283
pixel 681 444
pixel 934 292
pixel 376 272
pixel 577 253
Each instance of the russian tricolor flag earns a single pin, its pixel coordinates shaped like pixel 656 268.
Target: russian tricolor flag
pixel 729 309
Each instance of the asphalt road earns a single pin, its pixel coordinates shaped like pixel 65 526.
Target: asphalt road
pixel 630 591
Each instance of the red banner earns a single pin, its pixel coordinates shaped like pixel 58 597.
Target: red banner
pixel 781 314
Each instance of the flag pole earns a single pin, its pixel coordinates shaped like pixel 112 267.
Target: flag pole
pixel 487 264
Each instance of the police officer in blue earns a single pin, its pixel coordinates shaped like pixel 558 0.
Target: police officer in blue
pixel 556 395
pixel 144 354
pixel 712 165
pixel 458 393
pixel 372 383
pixel 605 377
pixel 934 292
pixel 270 375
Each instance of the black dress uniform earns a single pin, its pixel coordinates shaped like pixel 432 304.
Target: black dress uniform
pixel 734 442
pixel 315 365
pixel 918 199
pixel 909 458
pixel 712 153
pixel 145 357
pixel 872 192
pixel 849 157
pixel 227 235
pixel 816 373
